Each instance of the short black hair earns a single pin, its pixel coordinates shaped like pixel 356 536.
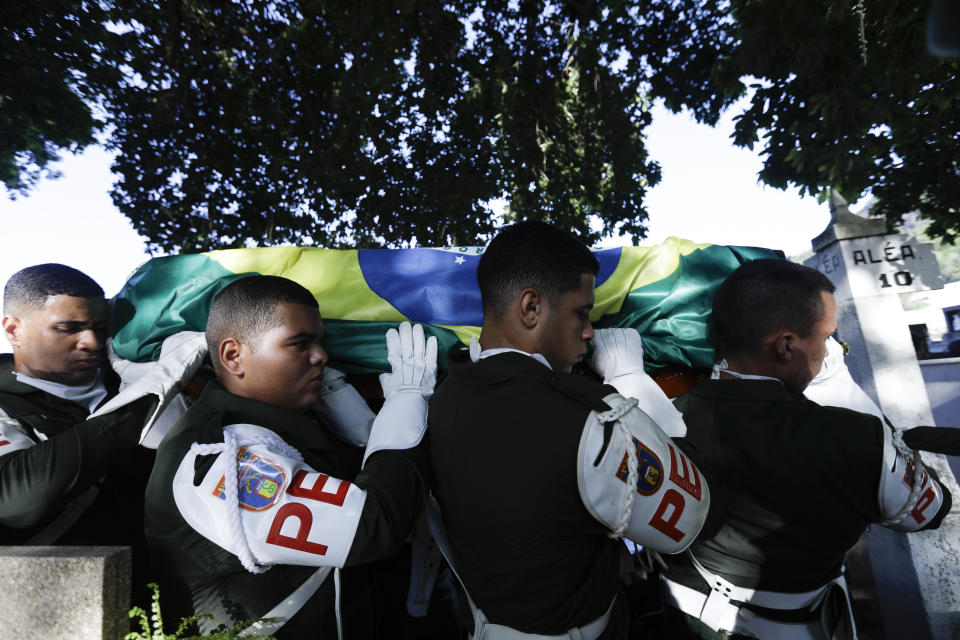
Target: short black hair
pixel 533 255
pixel 246 308
pixel 764 296
pixel 29 288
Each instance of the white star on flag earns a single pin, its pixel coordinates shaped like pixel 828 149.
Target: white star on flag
pixel 460 260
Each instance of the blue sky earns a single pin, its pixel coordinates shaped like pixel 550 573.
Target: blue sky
pixel 709 193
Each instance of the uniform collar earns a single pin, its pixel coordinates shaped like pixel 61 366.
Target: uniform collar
pixel 88 395
pixel 494 369
pixel 13 384
pixel 724 367
pixel 476 354
pixel 745 389
pixel 10 384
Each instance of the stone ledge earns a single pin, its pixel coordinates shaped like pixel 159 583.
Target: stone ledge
pixel 75 593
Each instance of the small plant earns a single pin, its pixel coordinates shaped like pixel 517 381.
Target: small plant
pixel 151 627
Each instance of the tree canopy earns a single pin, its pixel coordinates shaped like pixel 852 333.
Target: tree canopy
pixel 877 113
pixel 52 73
pixel 366 123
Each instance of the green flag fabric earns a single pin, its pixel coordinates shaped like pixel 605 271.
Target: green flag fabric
pixel 663 291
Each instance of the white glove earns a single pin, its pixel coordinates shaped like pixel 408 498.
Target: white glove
pixel 834 387
pixel 402 421
pixel 413 361
pixel 128 370
pixel 618 357
pixel 190 347
pixel 616 353
pixel 344 409
pixel 180 357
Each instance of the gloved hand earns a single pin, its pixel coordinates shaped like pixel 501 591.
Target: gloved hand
pixel 617 352
pixel 618 357
pixel 413 360
pixel 402 421
pixel 125 368
pixel 180 357
pixel 182 354
pixel 833 385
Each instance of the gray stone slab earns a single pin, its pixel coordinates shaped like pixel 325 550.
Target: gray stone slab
pixel 915 581
pixel 75 593
pixel 844 224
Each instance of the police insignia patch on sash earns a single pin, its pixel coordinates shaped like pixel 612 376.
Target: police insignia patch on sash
pixel 649 472
pixel 909 473
pixel 260 482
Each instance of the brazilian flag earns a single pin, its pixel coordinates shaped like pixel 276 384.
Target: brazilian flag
pixel 664 291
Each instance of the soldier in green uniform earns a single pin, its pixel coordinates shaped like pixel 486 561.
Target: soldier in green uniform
pixel 804 480
pixel 539 472
pixel 280 475
pixel 66 477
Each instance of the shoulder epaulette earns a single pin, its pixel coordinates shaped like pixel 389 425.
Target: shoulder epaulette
pixel 24 409
pixel 581 389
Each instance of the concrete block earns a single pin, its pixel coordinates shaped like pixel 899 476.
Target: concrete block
pixel 69 593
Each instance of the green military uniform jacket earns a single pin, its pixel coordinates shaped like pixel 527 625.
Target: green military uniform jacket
pixel 504 434
pixel 801 482
pixel 212 580
pixel 71 458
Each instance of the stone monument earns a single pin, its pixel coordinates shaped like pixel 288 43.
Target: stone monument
pixel 917 581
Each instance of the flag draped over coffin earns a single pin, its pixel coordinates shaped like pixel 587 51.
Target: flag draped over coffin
pixel 663 291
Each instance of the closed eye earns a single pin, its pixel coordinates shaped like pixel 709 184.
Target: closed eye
pixel 74 327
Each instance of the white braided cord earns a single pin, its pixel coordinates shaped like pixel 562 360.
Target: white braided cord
pixel 633 464
pixel 626 504
pixel 623 408
pixel 896 436
pixel 229 447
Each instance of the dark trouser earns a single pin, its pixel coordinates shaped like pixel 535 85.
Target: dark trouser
pixel 675 624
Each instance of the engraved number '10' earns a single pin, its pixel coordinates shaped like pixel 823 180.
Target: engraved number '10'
pixel 900 278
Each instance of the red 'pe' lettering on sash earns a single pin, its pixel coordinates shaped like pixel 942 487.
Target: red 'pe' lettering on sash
pixel 925 501
pixel 673 498
pixel 302 513
pixel 682 480
pixel 668 526
pixel 3 442
pixel 300 542
pixel 317 493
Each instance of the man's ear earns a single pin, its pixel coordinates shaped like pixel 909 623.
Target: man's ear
pixel 783 344
pixel 232 356
pixel 11 330
pixel 530 306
